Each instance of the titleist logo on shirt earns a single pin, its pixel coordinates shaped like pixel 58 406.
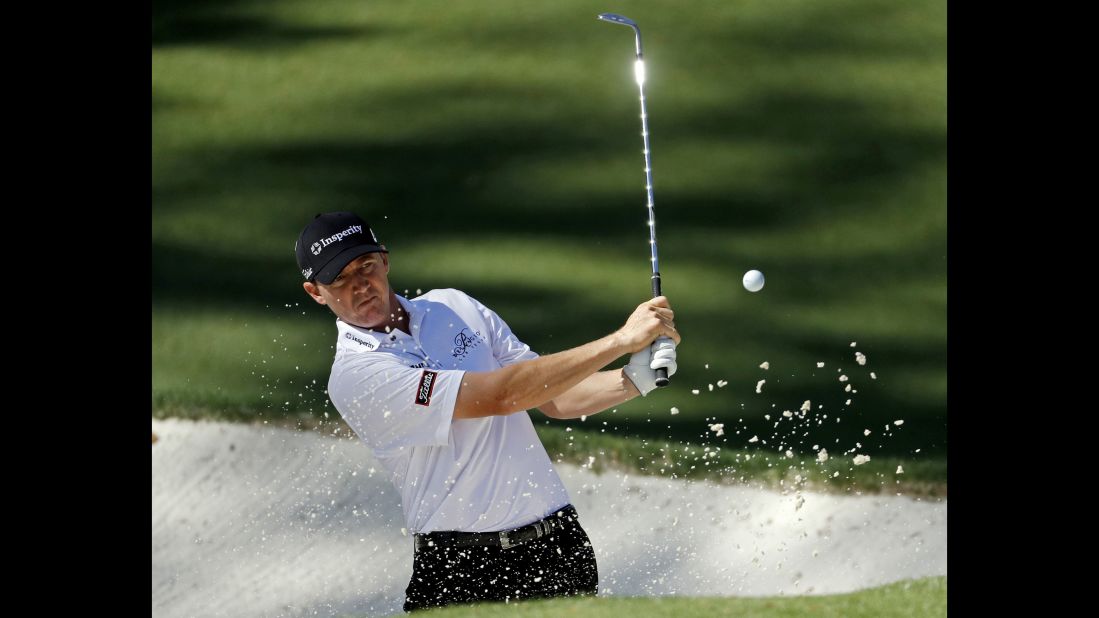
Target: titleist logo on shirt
pixel 427 384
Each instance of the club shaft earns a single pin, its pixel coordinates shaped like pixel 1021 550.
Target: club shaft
pixel 661 373
pixel 649 194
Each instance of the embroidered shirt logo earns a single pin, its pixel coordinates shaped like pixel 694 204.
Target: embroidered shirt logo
pixel 338 236
pixel 427 384
pixel 369 345
pixel 463 343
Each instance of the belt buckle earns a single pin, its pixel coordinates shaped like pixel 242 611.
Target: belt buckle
pixel 505 542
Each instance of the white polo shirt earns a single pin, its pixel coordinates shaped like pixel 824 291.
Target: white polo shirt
pixel 397 392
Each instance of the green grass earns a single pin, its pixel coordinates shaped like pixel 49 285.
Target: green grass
pixel 496 150
pixel 910 598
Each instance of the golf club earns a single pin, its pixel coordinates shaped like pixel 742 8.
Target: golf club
pixel 639 75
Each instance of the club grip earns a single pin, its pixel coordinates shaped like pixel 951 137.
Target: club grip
pixel 661 377
pixel 662 373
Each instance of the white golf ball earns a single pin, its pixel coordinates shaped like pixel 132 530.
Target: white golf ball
pixel 753 281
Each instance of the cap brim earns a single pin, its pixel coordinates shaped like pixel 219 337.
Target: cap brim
pixel 342 259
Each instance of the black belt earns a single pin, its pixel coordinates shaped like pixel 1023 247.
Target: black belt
pixel 503 538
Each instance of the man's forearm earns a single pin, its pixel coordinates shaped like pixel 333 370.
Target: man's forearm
pixel 532 383
pixel 596 393
pixel 527 384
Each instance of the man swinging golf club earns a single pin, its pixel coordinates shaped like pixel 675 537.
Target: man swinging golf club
pixel 439 388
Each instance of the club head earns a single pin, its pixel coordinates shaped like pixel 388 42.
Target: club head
pixel 614 18
pixel 618 19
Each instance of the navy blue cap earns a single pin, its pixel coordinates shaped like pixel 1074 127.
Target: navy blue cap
pixel 330 242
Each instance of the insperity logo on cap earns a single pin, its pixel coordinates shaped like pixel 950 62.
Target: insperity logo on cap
pixel 330 242
pixel 324 242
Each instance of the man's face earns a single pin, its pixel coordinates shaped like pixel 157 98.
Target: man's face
pixel 360 294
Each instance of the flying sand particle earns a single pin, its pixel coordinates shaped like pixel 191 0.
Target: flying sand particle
pixel 861 459
pixel 860 358
pixel 759 385
pixel 765 365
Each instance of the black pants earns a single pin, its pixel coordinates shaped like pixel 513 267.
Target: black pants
pixel 559 564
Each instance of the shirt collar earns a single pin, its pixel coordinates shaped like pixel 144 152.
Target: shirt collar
pixel 355 336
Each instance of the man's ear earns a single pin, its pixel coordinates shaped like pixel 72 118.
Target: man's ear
pixel 314 292
pixel 385 259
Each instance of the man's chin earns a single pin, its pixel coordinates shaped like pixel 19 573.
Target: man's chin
pixel 374 317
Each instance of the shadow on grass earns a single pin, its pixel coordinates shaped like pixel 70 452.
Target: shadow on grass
pixel 210 23
pixel 848 159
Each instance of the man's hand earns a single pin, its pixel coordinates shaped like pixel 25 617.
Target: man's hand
pixel 643 364
pixel 653 318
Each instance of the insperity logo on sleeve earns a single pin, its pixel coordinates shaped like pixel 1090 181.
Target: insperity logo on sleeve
pixel 427 384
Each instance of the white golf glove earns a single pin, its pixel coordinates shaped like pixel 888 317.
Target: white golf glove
pixel 643 364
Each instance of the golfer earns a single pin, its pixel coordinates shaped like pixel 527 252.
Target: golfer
pixel 439 388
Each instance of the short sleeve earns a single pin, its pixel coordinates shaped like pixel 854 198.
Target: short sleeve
pixel 391 406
